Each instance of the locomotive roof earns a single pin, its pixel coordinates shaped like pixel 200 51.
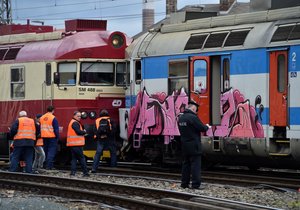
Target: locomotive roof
pixel 58 45
pixel 259 27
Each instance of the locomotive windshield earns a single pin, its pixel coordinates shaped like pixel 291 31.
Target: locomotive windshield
pixel 93 73
pixel 122 76
pixel 67 73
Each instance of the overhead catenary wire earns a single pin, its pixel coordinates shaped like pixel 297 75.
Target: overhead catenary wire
pixel 55 12
pixel 112 17
pixel 46 16
pixel 81 3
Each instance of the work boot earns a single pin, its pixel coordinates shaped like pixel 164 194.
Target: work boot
pixel 86 175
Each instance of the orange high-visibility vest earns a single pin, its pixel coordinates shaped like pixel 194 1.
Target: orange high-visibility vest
pixel 47 130
pixel 40 142
pixel 98 122
pixel 72 138
pixel 100 118
pixel 26 129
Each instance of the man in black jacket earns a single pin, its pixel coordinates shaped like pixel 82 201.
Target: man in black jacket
pixel 105 141
pixel 190 127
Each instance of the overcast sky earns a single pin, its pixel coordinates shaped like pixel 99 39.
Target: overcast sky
pixel 122 15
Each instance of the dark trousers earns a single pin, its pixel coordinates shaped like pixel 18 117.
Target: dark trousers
pixel 191 165
pixel 27 153
pixel 50 148
pixel 77 155
pixel 101 145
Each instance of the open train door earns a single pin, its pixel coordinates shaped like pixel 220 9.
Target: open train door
pixel 199 82
pixel 278 83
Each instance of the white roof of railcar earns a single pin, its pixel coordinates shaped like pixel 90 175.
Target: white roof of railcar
pixel 172 38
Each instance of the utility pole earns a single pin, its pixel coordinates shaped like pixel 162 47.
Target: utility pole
pixel 5 12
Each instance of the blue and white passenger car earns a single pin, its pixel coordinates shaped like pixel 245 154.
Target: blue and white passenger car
pixel 242 69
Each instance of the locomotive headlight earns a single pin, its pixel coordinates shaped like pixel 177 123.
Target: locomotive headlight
pixel 117 41
pixel 83 115
pixel 92 115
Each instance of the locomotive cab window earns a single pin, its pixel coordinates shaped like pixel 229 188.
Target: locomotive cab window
pixel 138 72
pixel 122 77
pixel 67 73
pixel 178 76
pixel 17 83
pixel 93 73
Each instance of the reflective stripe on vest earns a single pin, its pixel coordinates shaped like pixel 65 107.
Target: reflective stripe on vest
pixel 72 138
pixel 26 129
pixel 39 142
pixel 46 121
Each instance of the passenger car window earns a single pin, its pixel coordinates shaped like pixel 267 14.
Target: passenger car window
pixel 178 75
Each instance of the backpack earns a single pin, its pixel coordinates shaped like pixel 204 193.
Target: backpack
pixel 104 128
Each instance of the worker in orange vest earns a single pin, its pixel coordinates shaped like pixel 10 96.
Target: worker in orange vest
pixel 50 135
pixel 105 139
pixel 76 141
pixel 23 132
pixel 39 155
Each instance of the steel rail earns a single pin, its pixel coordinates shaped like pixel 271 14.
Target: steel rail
pixel 212 177
pixel 106 193
pixel 71 192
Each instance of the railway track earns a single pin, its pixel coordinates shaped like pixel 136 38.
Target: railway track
pixel 213 177
pixel 279 180
pixel 125 196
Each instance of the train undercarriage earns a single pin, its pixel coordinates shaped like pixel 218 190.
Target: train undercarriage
pixel 250 152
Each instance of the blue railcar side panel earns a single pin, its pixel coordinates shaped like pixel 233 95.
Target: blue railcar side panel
pixel 255 61
pixel 294 115
pixel 157 67
pixel 249 62
pixel 242 62
pixel 294 59
pixel 265 116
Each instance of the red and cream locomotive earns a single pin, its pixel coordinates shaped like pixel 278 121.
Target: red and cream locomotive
pixel 81 68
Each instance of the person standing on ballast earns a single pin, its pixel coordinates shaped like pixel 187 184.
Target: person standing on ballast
pixel 50 135
pixel 190 128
